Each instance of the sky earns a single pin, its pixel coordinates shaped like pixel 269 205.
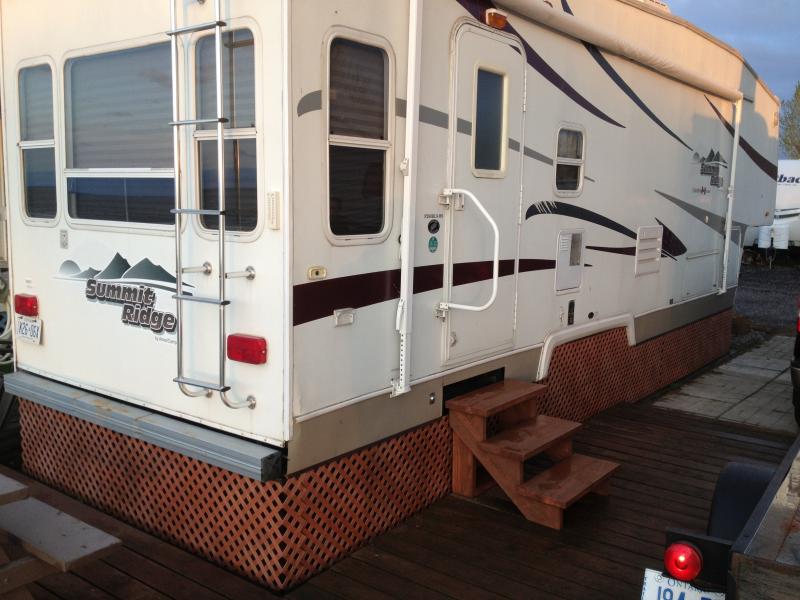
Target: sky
pixel 764 31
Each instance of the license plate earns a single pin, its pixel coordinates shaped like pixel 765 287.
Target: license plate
pixel 29 329
pixel 658 587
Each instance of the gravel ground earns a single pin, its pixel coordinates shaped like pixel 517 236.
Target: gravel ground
pixel 768 297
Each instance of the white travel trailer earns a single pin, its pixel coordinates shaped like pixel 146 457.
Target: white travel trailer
pixel 408 194
pixel 784 231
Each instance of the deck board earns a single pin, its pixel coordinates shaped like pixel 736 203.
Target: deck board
pixel 476 549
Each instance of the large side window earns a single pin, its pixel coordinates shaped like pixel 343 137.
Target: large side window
pixel 239 107
pixel 358 138
pixel 36 141
pixel 569 161
pixel 118 142
pixel 490 109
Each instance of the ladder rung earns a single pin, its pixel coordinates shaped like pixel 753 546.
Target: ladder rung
pixel 198 27
pixel 197 122
pixel 202 384
pixel 201 299
pixel 197 211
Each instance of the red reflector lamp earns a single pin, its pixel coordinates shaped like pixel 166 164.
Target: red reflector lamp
pixel 26 305
pixel 495 18
pixel 247 349
pixel 683 561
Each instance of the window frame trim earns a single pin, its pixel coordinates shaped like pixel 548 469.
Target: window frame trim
pixel 489 173
pixel 578 162
pixel 195 136
pixel 387 145
pixel 165 230
pixel 23 145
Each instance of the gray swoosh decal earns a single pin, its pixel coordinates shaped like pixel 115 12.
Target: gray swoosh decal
pixel 714 221
pixel 309 103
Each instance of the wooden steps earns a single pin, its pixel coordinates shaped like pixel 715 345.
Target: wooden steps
pixel 512 407
pixel 530 438
pixel 569 480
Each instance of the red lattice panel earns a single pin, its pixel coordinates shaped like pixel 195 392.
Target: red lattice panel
pixel 278 533
pixel 590 375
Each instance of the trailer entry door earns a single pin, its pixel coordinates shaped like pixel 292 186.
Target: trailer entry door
pixel 486 162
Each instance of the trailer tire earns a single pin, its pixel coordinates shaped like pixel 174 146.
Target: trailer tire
pixel 739 488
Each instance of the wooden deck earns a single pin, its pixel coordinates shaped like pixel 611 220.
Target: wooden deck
pixel 484 548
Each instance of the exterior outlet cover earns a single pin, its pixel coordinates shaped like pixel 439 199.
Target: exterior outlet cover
pixel 274 210
pixel 343 317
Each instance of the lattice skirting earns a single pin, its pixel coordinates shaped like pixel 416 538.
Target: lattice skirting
pixel 595 373
pixel 280 533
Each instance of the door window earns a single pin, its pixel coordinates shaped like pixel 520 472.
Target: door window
pixel 489 128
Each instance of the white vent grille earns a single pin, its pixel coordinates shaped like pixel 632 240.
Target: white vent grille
pixel 649 241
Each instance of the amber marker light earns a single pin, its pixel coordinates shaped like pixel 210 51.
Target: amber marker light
pixel 496 18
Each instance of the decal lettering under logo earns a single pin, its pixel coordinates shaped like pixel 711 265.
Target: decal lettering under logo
pixel 138 304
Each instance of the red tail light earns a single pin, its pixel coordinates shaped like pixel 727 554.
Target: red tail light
pixel 26 304
pixel 683 561
pixel 247 349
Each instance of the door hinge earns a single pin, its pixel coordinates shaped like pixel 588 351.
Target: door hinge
pixel 441 310
pixel 449 198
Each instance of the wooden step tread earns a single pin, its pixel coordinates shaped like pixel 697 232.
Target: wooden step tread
pixel 568 481
pixel 495 398
pixel 530 438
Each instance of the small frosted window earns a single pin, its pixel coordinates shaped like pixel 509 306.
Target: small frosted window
pixel 569 161
pixel 489 118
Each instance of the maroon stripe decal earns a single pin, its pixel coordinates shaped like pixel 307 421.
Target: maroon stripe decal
pixel 535 264
pixel 631 251
pixel 318 299
pixel 472 272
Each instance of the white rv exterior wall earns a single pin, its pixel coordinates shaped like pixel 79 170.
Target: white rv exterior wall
pixel 644 141
pixel 628 167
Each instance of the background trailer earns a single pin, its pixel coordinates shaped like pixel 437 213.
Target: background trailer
pixel 254 256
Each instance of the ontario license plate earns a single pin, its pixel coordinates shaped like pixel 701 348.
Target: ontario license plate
pixel 658 587
pixel 29 329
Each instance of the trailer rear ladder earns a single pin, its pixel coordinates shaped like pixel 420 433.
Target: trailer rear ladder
pixel 202 388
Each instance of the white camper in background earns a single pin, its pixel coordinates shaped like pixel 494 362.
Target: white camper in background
pixel 234 225
pixel 784 231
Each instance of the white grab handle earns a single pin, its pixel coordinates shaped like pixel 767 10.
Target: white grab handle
pixel 495 261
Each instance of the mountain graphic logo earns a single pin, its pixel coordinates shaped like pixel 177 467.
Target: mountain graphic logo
pixel 120 269
pixel 714 159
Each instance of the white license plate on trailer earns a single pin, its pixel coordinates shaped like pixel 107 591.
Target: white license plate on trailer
pixel 658 587
pixel 29 329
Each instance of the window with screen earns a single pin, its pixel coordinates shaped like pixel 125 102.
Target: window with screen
pixel 37 145
pixel 239 107
pixel 358 138
pixel 488 136
pixel 569 162
pixel 118 138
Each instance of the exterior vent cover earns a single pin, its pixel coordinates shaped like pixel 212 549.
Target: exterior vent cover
pixel 648 249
